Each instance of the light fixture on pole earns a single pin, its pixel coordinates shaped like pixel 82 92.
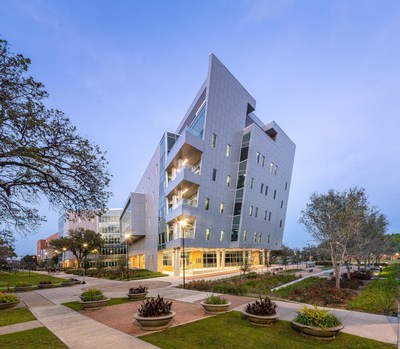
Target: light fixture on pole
pixel 127 236
pixel 183 225
pixel 45 258
pixel 85 245
pixel 63 257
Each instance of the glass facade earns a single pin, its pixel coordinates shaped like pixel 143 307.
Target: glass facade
pixel 197 126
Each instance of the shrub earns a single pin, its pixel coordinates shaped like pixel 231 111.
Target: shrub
pixel 8 298
pixel 200 285
pixel 213 299
pixel 361 275
pixel 263 307
pixel 317 318
pixel 92 294
pixel 45 282
pixel 23 284
pixel 154 307
pixel 235 288
pixel 73 280
pixel 138 289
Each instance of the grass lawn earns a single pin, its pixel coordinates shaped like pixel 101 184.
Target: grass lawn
pixel 232 331
pixel 11 279
pixel 392 270
pixel 113 301
pixel 37 338
pixel 15 316
pixel 286 291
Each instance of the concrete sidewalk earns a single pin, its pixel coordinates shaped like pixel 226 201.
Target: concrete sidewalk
pixel 23 326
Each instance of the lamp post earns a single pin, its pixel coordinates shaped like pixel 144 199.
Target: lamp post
pixel 183 225
pixel 63 257
pixel 45 259
pixel 127 236
pixel 84 263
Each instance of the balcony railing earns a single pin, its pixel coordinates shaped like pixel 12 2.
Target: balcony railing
pixel 181 202
pixel 194 169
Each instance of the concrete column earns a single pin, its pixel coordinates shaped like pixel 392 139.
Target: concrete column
pixel 176 261
pixel 223 259
pixel 218 259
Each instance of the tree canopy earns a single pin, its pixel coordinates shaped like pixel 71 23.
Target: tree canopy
pixel 80 241
pixel 41 153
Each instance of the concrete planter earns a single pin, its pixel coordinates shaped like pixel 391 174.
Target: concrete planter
pixel 8 305
pixel 24 288
pixel 327 334
pixel 94 304
pixel 259 320
pixel 215 308
pixel 137 296
pixel 154 323
pixel 45 285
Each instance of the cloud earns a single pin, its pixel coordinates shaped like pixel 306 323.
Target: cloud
pixel 261 10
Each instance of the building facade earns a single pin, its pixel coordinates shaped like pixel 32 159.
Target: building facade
pixel 215 192
pixel 44 251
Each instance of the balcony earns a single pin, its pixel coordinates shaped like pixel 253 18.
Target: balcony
pixel 184 207
pixel 185 175
pixel 186 146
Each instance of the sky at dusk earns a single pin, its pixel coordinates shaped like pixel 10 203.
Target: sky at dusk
pixel 124 72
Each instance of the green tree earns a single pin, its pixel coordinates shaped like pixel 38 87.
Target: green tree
pixel 41 154
pixel 80 242
pixel 336 219
pixel 6 251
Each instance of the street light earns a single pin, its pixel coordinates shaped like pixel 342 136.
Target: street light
pixel 63 257
pixel 85 245
pixel 127 236
pixel 183 225
pixel 45 259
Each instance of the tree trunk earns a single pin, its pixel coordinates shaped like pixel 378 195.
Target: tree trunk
pixel 348 270
pixel 336 270
pixel 358 264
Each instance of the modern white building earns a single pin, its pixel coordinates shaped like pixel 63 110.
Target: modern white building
pixel 216 190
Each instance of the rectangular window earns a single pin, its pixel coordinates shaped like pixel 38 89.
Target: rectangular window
pixel 269 235
pixel 255 237
pixel 228 181
pixel 262 188
pixel 276 170
pixel 274 194
pixel 269 216
pixel 207 234
pixel 221 208
pixel 266 190
pixel 280 224
pixel 228 150
pixel 271 167
pixel 259 237
pixel 251 211
pixel 251 183
pixel 256 213
pixel 282 204
pixel 207 204
pixel 244 235
pixel 221 237
pixel 213 140
pixel 265 215
pixel 258 158
pixel 167 259
pixel 263 161
pixel 214 174
pixel 286 186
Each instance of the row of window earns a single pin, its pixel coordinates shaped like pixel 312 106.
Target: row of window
pixel 214 144
pixel 257 237
pixel 260 159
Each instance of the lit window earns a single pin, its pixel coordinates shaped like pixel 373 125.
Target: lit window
pixel 207 234
pixel 266 190
pixel 265 215
pixel 274 194
pixel 221 237
pixel 207 204
pixel 269 216
pixel 258 158
pixel 251 183
pixel 263 161
pixel 262 188
pixel 255 237
pixel 214 174
pixel 221 208
pixel 251 211
pixel 256 213
pixel 228 150
pixel 228 181
pixel 271 167
pixel 213 140
pixel 244 235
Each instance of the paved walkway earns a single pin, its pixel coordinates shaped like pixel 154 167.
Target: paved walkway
pixel 81 332
pixel 23 326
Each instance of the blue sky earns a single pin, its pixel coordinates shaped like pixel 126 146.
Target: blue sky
pixel 126 71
